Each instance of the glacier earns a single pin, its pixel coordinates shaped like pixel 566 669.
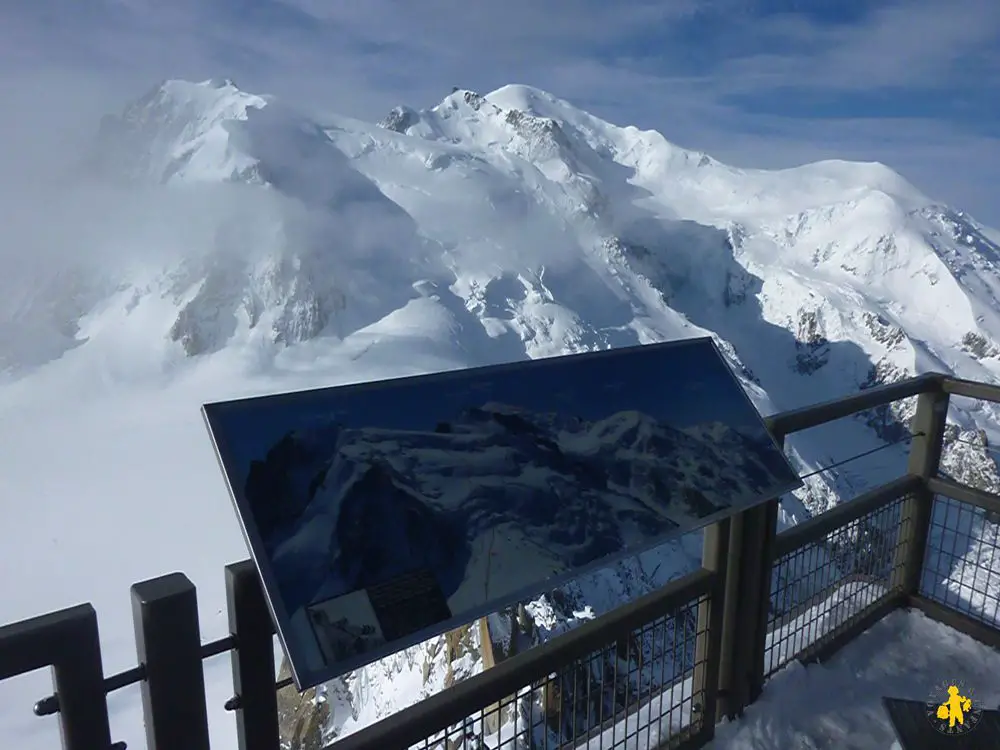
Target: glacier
pixel 217 244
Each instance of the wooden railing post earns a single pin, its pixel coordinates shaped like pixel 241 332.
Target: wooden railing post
pixel 915 517
pixel 168 644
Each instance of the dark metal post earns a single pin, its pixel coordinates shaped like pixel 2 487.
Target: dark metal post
pixel 765 529
pixel 168 644
pixel 757 564
pixel 728 675
pixel 69 642
pixel 253 659
pixel 915 519
pixel 710 649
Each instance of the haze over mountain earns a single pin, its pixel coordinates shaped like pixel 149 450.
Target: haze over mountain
pixel 228 245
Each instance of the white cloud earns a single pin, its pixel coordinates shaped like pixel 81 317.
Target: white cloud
pixel 722 76
pixel 920 43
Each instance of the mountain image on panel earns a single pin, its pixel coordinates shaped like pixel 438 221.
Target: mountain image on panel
pixel 507 225
pixel 554 496
pixel 406 511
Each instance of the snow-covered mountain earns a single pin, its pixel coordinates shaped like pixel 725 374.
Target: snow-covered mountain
pixel 521 225
pixel 501 226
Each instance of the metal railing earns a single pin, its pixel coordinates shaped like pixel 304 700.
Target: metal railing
pixel 834 570
pixel 656 672
pixel 600 679
pixel 961 571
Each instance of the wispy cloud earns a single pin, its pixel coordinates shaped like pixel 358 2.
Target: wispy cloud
pixel 917 44
pixel 913 83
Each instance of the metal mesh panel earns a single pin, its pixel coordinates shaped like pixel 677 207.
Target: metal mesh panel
pixel 822 589
pixel 962 561
pixel 636 693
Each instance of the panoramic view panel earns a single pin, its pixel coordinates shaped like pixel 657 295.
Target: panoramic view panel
pixel 393 511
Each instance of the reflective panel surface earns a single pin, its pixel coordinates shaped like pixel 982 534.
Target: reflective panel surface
pixel 382 514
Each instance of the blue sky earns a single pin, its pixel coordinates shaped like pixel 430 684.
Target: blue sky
pixel 913 83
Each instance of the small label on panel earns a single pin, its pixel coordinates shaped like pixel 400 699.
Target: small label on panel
pixel 409 603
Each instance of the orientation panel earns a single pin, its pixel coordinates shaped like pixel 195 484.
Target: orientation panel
pixel 382 514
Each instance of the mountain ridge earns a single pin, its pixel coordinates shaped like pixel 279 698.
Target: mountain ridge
pixel 519 232
pixel 510 225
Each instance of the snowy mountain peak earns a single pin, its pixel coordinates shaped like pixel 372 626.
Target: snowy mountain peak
pixel 545 229
pixel 271 264
pixel 531 100
pixel 569 144
pixel 220 83
pixel 179 130
pixel 399 119
pixel 510 111
pixel 181 93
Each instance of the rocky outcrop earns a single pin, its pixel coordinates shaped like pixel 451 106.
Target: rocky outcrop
pixel 979 346
pixel 399 119
pixel 302 717
pixel 966 458
pixel 811 344
pixel 889 421
pixel 882 330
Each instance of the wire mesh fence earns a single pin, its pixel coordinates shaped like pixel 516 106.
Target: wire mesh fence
pixel 637 692
pixel 962 561
pixel 825 587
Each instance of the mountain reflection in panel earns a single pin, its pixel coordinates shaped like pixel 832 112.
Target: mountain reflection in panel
pixel 382 514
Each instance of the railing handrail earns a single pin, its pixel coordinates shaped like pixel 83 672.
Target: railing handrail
pixel 977 498
pixel 805 417
pixel 971 389
pixel 816 528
